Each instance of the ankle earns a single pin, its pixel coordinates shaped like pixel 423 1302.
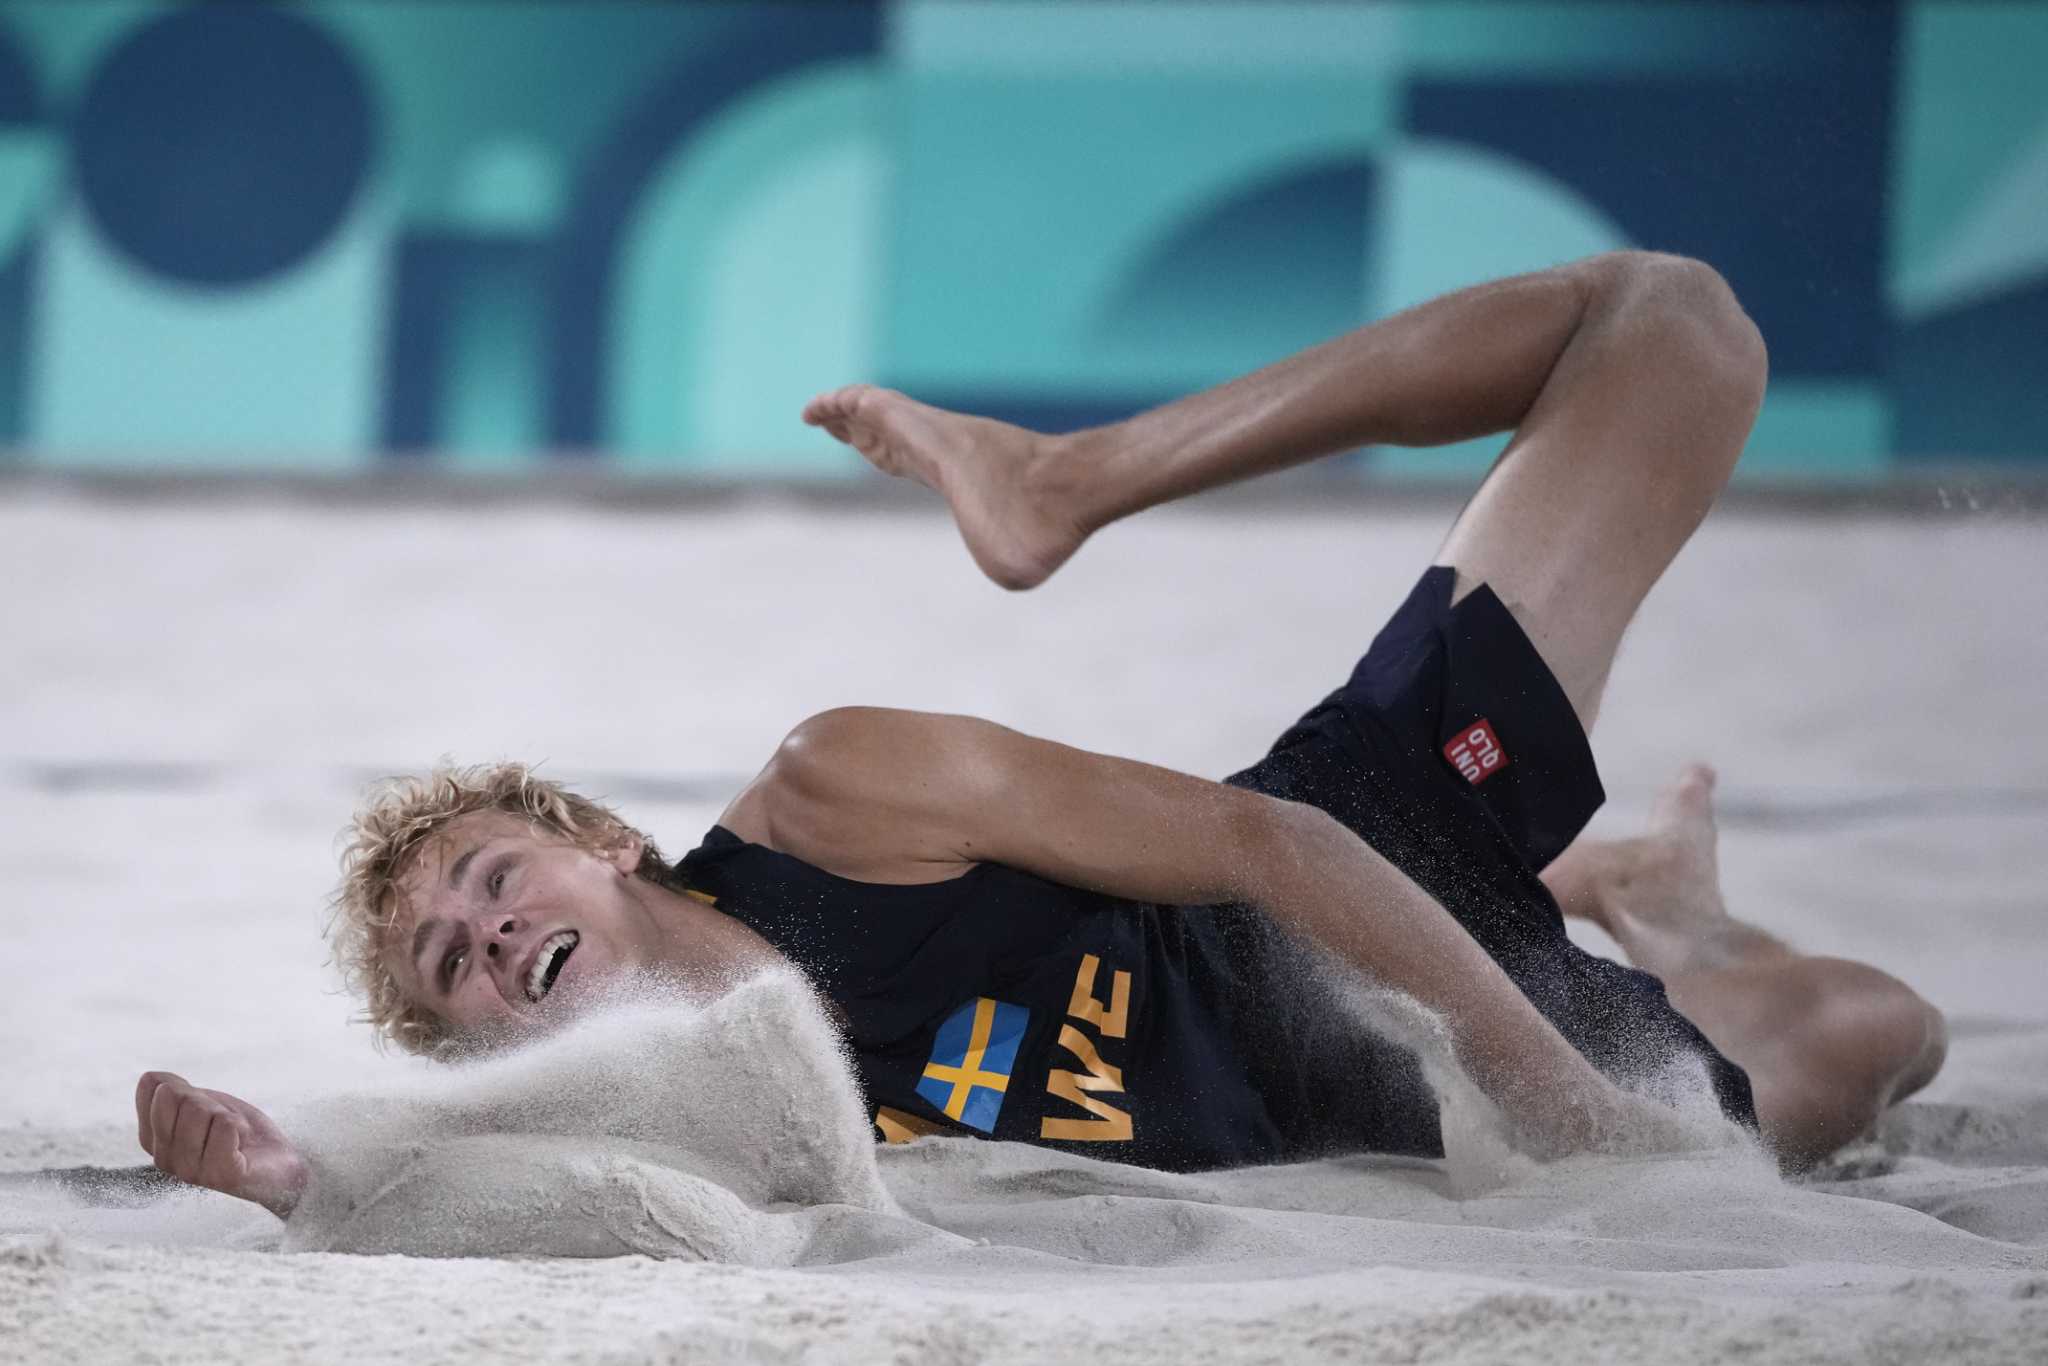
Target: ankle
pixel 1070 473
pixel 1667 951
pixel 1582 881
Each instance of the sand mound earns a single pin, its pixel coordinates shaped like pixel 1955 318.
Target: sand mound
pixel 730 1132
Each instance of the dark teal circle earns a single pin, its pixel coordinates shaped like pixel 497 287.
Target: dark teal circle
pixel 220 144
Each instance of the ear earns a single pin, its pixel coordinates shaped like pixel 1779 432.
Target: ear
pixel 625 855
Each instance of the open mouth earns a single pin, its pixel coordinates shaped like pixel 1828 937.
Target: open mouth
pixel 548 963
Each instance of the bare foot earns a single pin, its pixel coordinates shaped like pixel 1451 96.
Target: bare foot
pixel 993 475
pixel 1659 895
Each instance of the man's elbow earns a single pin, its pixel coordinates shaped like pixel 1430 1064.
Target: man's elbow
pixel 820 741
pixel 850 771
pixel 1280 844
pixel 814 770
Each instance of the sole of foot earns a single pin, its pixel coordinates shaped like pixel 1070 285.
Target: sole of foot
pixel 997 478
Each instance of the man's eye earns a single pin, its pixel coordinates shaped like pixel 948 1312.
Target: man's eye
pixel 497 883
pixel 451 963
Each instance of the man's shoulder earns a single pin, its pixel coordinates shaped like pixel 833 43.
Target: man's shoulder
pixel 867 793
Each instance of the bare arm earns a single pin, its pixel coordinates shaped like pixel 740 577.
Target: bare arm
pixel 892 796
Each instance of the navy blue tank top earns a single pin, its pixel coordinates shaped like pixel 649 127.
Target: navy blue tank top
pixel 1004 1005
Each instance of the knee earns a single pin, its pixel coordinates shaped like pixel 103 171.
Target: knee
pixel 1683 284
pixel 1850 1042
pixel 1884 1037
pixel 1933 1052
pixel 1694 306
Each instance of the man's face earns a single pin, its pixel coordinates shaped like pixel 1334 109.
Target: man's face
pixel 507 928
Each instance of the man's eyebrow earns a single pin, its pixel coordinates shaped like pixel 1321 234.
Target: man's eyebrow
pixel 461 866
pixel 420 937
pixel 426 928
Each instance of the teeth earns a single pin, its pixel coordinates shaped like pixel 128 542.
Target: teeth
pixel 537 983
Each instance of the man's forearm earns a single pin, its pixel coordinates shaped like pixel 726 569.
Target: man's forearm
pixel 1464 365
pixel 1322 881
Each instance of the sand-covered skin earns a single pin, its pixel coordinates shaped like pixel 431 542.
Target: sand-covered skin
pixel 186 696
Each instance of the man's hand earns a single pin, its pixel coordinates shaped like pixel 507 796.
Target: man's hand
pixel 211 1139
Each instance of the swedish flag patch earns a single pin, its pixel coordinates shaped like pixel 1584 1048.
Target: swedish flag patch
pixel 971 1060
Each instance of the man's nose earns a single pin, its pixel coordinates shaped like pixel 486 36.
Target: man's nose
pixel 494 944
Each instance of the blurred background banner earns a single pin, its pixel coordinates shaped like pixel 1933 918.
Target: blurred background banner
pixel 359 234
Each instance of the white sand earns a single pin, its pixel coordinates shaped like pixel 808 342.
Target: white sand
pixel 180 719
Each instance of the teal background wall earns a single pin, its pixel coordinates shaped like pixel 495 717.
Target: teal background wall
pixel 348 234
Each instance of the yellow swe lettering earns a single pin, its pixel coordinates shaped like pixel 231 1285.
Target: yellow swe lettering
pixel 1101 1076
pixel 1111 1126
pixel 1086 1008
pixel 898 1127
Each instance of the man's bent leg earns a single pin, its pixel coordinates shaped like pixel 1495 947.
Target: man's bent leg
pixel 1828 1043
pixel 1468 364
pixel 1634 434
pixel 1629 379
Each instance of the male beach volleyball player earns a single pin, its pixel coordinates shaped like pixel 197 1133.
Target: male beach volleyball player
pixel 1031 942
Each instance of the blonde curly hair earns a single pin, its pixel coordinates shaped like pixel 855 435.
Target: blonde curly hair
pixel 396 818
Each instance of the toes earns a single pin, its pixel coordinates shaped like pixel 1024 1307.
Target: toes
pixel 834 405
pixel 1687 801
pixel 849 415
pixel 837 405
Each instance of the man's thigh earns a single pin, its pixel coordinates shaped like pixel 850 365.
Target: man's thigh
pixel 1625 449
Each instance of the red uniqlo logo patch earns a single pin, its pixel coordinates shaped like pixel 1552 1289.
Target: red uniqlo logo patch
pixel 1475 752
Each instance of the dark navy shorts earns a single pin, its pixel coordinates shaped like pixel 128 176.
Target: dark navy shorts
pixel 1453 751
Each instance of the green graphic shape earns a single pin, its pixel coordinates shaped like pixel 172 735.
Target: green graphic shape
pixel 1272 267
pixel 1226 37
pixel 284 374
pixel 492 413
pixel 509 186
pixel 67 37
pixel 31 161
pixel 1026 207
pixel 1564 38
pixel 1451 38
pixel 747 279
pixel 1999 242
pixel 1972 132
pixel 555 78
pixel 1452 215
pixel 1819 430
